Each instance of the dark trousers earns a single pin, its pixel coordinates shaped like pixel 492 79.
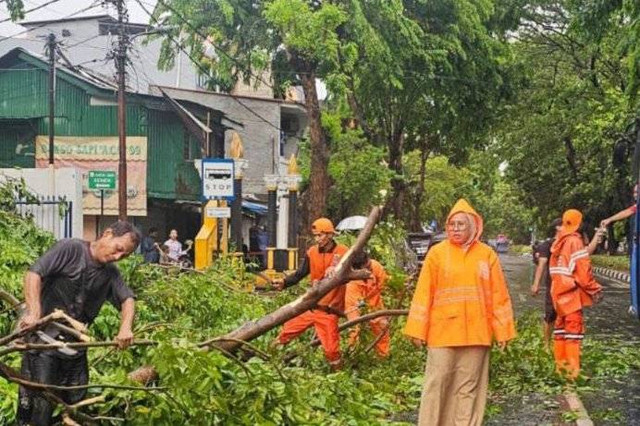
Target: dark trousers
pixel 49 368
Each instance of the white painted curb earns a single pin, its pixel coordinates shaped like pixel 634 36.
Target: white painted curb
pixel 576 406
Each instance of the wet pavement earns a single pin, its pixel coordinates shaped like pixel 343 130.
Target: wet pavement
pixel 617 400
pixel 613 401
pixel 535 408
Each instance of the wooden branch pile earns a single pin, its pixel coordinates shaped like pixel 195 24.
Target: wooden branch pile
pixel 227 344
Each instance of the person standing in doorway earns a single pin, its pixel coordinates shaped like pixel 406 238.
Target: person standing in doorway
pixel 175 246
pixel 148 247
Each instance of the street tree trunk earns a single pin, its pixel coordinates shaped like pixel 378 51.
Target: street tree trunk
pixel 319 177
pixel 396 148
pixel 414 223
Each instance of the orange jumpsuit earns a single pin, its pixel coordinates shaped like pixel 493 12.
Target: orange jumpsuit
pixel 370 292
pixel 572 288
pixel 315 264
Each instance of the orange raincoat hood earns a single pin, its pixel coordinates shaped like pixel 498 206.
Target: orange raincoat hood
pixel 463 206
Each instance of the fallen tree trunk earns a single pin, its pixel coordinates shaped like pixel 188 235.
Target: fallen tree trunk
pixel 360 320
pixel 343 273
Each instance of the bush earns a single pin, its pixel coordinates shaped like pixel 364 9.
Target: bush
pixel 619 263
pixel 520 249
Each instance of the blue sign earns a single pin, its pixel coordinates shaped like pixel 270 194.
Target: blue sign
pixel 217 178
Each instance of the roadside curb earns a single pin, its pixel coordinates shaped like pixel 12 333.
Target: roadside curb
pixel 610 273
pixel 575 404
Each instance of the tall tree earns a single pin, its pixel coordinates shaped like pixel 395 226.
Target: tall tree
pixel 295 41
pixel 567 138
pixel 429 75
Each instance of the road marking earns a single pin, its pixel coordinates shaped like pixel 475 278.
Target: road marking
pixel 573 400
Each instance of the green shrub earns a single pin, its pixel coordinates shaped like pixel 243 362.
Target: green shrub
pixel 619 263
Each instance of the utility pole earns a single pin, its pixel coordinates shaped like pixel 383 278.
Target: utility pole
pixel 121 62
pixel 51 45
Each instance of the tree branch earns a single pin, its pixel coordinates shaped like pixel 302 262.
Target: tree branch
pixel 21 347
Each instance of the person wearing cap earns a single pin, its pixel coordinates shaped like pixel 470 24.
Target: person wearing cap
pixel 368 292
pixel 573 288
pixel 318 262
pixel 541 255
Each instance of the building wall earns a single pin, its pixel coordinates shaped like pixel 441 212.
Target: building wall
pixel 169 175
pixel 261 138
pixel 171 172
pixel 143 56
pixel 66 183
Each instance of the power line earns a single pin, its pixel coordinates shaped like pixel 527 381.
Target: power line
pixel 83 41
pixel 32 9
pixel 205 71
pixel 44 24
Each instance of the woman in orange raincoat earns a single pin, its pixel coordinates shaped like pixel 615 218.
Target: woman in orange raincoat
pixel 460 306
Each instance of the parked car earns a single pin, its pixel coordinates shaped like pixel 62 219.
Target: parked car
pixel 421 242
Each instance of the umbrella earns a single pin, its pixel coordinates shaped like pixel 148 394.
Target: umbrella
pixel 352 223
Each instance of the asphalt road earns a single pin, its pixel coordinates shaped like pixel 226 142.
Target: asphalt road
pixel 618 401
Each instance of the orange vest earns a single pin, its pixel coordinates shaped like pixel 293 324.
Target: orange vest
pixel 572 282
pixel 318 265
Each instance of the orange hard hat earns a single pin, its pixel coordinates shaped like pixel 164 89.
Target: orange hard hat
pixel 322 225
pixel 571 220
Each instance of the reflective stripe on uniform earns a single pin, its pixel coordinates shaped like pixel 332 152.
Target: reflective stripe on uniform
pixel 574 336
pixel 580 254
pixel 560 270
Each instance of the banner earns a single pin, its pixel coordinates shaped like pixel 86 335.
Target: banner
pixel 101 153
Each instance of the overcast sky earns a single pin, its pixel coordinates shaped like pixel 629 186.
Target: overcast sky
pixel 63 8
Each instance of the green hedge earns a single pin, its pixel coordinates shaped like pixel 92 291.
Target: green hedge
pixel 619 263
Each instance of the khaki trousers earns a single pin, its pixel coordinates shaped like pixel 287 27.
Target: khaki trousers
pixel 455 387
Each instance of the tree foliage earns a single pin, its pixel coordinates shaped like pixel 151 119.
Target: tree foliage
pixel 569 137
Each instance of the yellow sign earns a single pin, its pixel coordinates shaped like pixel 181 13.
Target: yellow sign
pixel 101 153
pixel 91 148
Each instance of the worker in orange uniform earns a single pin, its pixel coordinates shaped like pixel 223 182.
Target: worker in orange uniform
pixel 361 293
pixel 460 306
pixel 572 289
pixel 320 258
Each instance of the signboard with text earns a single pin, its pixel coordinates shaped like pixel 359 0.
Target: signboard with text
pixel 96 158
pixel 218 212
pixel 101 179
pixel 217 178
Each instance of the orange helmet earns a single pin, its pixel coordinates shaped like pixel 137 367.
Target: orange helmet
pixel 322 225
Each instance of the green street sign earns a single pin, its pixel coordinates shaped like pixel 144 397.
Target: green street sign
pixel 102 179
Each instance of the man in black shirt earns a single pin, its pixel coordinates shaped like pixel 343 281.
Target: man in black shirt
pixel 77 277
pixel 149 247
pixel 541 255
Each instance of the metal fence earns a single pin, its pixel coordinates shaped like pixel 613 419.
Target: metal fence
pixel 54 214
